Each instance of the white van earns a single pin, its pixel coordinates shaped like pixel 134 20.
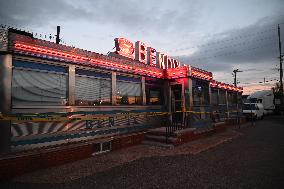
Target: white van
pixel 253 110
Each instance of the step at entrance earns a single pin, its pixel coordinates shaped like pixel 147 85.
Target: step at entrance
pixel 160 137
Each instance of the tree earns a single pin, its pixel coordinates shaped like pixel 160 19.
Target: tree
pixel 276 88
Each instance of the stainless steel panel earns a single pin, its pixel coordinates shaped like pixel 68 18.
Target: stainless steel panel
pixel 190 92
pixel 71 85
pixel 218 96
pixel 113 88
pixel 143 91
pixel 5 83
pixel 210 95
pixel 227 104
pixel 5 101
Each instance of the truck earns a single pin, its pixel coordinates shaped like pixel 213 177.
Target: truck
pixel 253 110
pixel 265 97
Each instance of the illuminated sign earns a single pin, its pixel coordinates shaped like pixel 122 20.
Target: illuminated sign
pixel 151 56
pixel 179 72
pixel 124 47
pixel 141 52
pixel 144 54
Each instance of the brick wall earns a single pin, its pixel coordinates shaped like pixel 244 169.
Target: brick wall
pixel 20 164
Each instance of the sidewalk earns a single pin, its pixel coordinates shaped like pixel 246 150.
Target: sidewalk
pixel 99 163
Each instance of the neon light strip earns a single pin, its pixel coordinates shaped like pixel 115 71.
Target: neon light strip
pixel 225 86
pixel 81 59
pixel 152 72
pixel 178 72
pixel 201 75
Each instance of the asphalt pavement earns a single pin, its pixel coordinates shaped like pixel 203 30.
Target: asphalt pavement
pixel 255 159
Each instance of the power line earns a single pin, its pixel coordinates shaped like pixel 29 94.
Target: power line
pixel 231 53
pixel 260 82
pixel 222 41
pixel 232 45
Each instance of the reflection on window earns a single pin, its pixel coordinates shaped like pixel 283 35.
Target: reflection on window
pixel 91 91
pixel 154 95
pixel 128 93
pixel 222 96
pixel 214 96
pixel 154 91
pixel 231 99
pixel 200 90
pixel 38 88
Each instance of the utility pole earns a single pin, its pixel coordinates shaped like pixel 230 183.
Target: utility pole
pixel 280 58
pixel 237 103
pixel 281 70
pixel 235 76
pixel 57 35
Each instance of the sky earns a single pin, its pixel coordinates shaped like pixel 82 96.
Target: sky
pixel 218 36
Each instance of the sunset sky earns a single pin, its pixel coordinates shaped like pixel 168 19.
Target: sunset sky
pixel 217 36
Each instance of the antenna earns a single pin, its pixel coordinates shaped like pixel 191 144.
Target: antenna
pixel 57 35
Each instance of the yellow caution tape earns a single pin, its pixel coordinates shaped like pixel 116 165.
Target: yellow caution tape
pixel 76 117
pixel 97 117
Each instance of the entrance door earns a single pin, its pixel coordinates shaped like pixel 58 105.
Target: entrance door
pixel 176 102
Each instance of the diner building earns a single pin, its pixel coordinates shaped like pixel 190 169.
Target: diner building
pixel 49 90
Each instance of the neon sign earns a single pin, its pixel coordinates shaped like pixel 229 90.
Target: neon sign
pixel 179 72
pixel 144 54
pixel 124 47
pixel 141 52
pixel 151 56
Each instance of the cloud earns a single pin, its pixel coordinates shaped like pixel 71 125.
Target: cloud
pixel 39 12
pixel 158 17
pixel 153 16
pixel 256 44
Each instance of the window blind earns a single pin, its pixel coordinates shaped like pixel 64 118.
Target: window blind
pixel 92 89
pixel 128 88
pixel 38 88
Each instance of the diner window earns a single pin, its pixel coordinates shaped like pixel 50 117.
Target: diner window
pixel 231 99
pixel 200 90
pixel 154 95
pixel 222 97
pixel 214 96
pixel 92 88
pixel 154 91
pixel 128 90
pixel 38 84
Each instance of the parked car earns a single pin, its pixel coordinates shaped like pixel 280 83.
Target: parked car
pixel 253 110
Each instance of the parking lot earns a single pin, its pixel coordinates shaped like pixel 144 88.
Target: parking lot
pixel 250 157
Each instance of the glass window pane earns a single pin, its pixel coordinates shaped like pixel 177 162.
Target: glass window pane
pixel 222 97
pixel 154 95
pixel 38 88
pixel 214 96
pixel 92 91
pixel 128 92
pixel 200 91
